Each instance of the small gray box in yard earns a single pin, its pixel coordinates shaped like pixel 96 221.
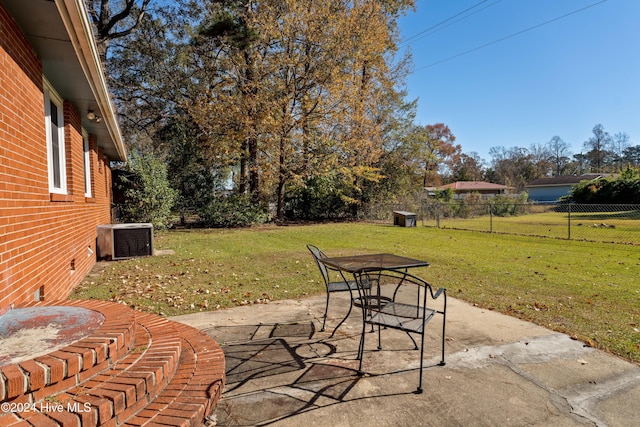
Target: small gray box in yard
pixel 404 219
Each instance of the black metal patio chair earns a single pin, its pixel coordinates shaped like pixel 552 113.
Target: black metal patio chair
pixel 334 282
pixel 399 300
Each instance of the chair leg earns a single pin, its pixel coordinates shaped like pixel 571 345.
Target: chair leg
pixel 442 362
pixel 326 310
pixel 361 350
pixel 419 390
pixel 415 344
pixel 368 294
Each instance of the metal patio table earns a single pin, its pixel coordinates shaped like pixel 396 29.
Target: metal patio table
pixel 358 264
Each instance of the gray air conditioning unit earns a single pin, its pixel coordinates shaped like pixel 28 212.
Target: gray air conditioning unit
pixel 122 241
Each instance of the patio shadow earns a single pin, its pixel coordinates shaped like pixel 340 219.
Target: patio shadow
pixel 276 371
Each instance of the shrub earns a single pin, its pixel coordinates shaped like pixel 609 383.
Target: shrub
pixel 625 189
pixel 231 212
pixel 444 195
pixel 507 205
pixel 320 198
pixel 148 196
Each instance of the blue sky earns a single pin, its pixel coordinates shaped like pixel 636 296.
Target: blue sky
pixel 561 78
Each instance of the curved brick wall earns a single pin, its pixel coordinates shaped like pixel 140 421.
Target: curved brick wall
pixel 135 369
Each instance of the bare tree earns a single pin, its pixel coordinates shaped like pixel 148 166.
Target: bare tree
pixel 468 167
pixel 541 158
pixel 632 156
pixel 597 148
pixel 512 167
pixel 560 154
pixel 114 19
pixel 619 143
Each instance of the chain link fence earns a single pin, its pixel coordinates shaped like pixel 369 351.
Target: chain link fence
pixel 383 212
pixel 601 223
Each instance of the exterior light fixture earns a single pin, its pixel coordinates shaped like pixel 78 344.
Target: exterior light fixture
pixel 91 115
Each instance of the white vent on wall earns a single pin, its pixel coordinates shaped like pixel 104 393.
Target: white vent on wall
pixel 121 241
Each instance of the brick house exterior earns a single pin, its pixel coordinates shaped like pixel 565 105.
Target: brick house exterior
pixel 58 134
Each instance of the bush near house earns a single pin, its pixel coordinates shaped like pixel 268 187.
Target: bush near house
pixel 474 205
pixel 231 212
pixel 625 189
pixel 148 197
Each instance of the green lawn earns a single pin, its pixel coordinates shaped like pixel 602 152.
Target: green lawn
pixel 588 290
pixel 619 227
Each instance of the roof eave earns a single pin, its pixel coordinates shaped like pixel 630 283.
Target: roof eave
pixel 76 21
pixel 61 35
pixel 567 184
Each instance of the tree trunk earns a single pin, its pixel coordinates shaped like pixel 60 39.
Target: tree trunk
pixel 281 181
pixel 242 180
pixel 250 93
pixel 254 175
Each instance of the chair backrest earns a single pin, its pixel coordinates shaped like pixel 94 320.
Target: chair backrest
pixel 404 288
pixel 317 256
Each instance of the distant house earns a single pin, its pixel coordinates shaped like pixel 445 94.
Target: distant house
pixel 463 188
pixel 551 189
pixel 58 134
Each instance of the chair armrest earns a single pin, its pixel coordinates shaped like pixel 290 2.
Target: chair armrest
pixel 438 292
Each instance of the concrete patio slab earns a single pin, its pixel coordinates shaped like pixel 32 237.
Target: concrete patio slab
pixel 283 371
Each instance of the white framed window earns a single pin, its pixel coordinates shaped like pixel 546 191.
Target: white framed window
pixel 54 123
pixel 87 164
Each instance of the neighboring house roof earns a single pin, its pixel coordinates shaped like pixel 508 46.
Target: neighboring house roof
pixel 62 37
pixel 565 180
pixel 470 186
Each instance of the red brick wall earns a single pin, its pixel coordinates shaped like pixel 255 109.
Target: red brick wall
pixel 46 242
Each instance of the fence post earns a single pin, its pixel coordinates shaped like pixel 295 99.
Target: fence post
pixel 490 218
pixel 438 214
pixel 569 221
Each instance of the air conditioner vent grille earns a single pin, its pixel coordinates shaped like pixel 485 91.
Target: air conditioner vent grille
pixel 121 241
pixel 131 242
